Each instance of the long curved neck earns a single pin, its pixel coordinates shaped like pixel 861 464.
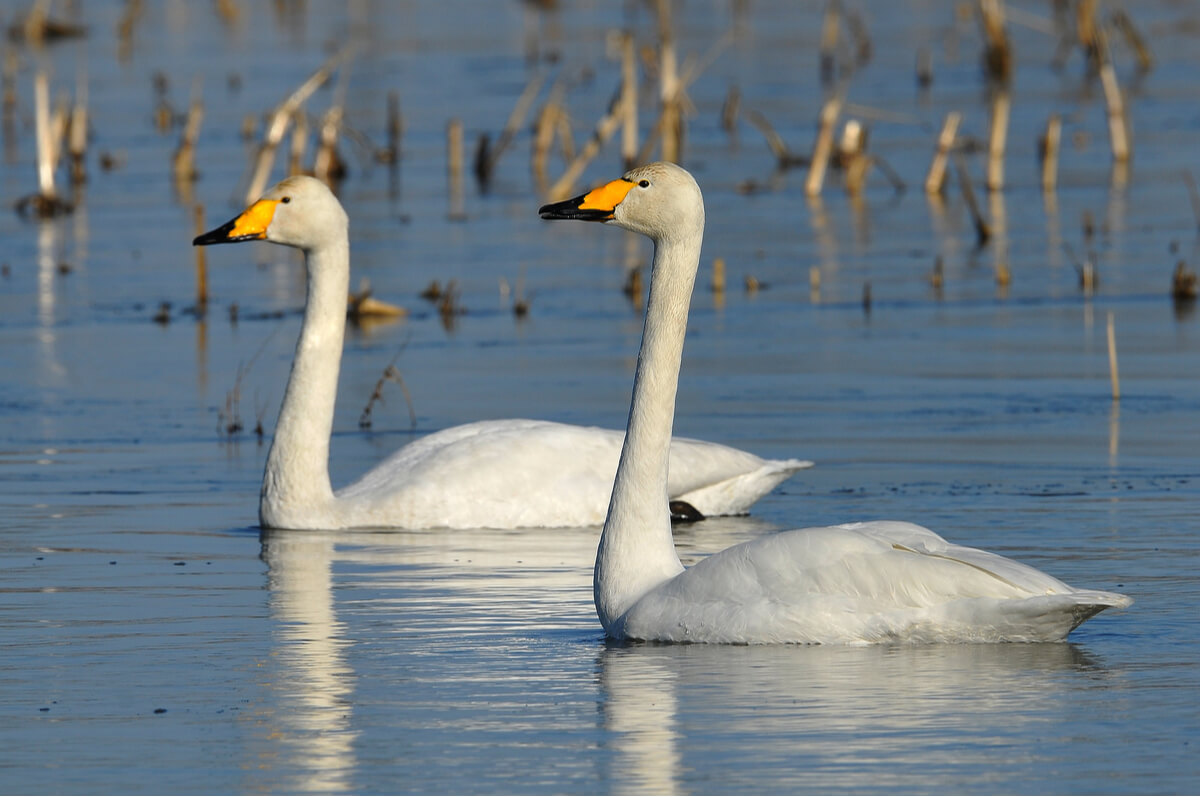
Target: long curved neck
pixel 637 552
pixel 296 481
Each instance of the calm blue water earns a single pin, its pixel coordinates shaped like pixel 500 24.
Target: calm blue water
pixel 154 641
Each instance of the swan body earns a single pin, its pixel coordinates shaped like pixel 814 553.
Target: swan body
pixel 493 474
pixel 858 583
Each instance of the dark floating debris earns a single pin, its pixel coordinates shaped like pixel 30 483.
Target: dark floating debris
pixel 1183 283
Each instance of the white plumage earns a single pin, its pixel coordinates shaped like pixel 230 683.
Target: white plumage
pixel 856 583
pixel 494 474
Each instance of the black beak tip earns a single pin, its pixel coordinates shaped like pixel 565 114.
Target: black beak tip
pixel 218 236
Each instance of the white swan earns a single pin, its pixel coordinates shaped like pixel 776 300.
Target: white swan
pixel 495 474
pixel 857 583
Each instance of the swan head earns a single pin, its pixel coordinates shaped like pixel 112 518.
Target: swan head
pixel 299 211
pixel 659 200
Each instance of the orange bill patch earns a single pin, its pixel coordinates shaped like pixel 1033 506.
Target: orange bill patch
pixel 254 221
pixel 607 196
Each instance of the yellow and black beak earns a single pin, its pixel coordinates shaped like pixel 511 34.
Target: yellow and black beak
pixel 596 205
pixel 250 226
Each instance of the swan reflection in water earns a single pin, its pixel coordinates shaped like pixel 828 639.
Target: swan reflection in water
pixel 311 723
pixel 826 718
pixel 482 638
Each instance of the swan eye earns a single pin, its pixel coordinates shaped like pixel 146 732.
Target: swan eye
pixel 644 183
pixel 286 200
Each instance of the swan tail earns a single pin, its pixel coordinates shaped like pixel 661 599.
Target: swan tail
pixel 1042 618
pixel 1089 603
pixel 735 495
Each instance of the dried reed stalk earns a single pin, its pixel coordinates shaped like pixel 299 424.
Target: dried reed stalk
pixel 183 164
pixel 1113 375
pixel 395 127
pixel 201 261
pixel 604 129
pixel 328 166
pixel 784 157
pixel 718 276
pixel 830 22
pixel 516 120
pixel 982 231
pixel 629 101
pixel 77 130
pixel 1051 142
pixel 997 54
pixel 997 140
pixel 852 150
pixel 1088 31
pixel 670 88
pixel 1134 39
pixel 823 147
pixel 299 146
pixel 281 117
pixel 730 109
pixel 1193 195
pixel 1118 129
pixel 45 143
pixel 454 168
pixel 935 180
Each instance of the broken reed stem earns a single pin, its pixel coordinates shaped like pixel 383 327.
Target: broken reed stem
pixel 671 119
pixel 629 101
pixel 774 141
pixel 516 120
pixel 730 110
pixel 1087 31
pixel 997 140
pixel 454 168
pixel 280 118
pixel 1112 359
pixel 327 166
pixel 299 143
pixel 935 181
pixel 77 128
pixel 395 126
pixel 543 137
pixel 391 373
pixel 604 130
pixel 9 79
pixel 853 148
pixel 830 23
pixel 59 120
pixel 1118 130
pixel 823 147
pixel 1134 39
pixel 77 136
pixel 891 174
pixel 718 275
pixel 1193 195
pixel 1049 151
pixel 183 165
pixel 997 54
pixel 924 68
pixel 45 144
pixel 201 262
pixel 862 39
pixel 982 231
